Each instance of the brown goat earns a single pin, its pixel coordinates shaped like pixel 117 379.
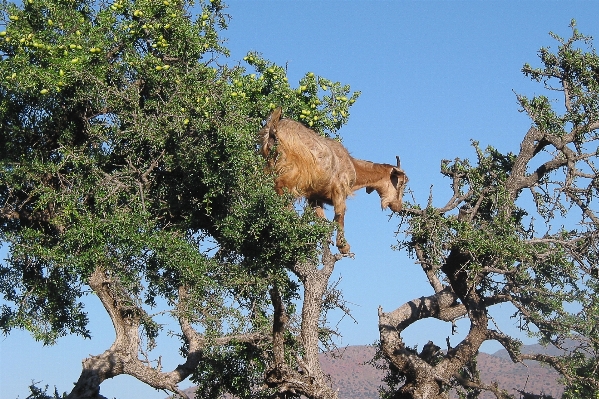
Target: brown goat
pixel 322 171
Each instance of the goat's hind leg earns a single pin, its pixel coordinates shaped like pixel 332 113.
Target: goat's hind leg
pixel 339 207
pixel 318 207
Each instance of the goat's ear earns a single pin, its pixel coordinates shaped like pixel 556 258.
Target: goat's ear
pixel 369 190
pixel 397 172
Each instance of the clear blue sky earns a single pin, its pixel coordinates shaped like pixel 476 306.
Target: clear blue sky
pixel 433 75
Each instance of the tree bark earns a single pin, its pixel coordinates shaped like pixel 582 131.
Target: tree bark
pixel 309 379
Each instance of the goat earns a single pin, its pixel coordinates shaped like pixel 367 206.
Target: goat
pixel 321 170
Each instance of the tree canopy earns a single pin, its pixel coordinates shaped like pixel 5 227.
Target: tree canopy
pixel 129 168
pixel 520 228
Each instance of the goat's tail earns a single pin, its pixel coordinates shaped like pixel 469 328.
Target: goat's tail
pixel 268 134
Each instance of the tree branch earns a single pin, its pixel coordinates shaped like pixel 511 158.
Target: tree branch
pixel 122 356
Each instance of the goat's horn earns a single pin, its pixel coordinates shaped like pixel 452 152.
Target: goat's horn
pixel 397 157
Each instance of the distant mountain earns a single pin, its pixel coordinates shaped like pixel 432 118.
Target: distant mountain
pixel 530 377
pixel 355 379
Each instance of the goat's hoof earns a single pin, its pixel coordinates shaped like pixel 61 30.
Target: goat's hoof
pixel 344 249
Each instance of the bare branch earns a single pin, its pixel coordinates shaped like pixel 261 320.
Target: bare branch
pixel 429 269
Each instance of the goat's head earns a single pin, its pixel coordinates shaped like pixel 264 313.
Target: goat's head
pixel 391 192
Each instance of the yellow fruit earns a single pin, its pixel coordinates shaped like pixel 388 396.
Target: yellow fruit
pixel 186 121
pixel 61 72
pixel 159 68
pixel 138 13
pixel 13 18
pixel 3 33
pixel 44 91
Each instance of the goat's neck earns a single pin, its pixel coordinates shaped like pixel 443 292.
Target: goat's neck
pixel 370 174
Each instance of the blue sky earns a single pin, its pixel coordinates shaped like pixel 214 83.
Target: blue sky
pixel 433 76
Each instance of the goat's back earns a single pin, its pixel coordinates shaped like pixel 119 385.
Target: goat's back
pixel 310 165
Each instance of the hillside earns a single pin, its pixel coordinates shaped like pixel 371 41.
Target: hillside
pixel 357 380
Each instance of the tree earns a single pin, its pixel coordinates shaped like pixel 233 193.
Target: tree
pixel 520 228
pixel 129 171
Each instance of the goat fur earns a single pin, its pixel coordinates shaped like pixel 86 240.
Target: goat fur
pixel 321 170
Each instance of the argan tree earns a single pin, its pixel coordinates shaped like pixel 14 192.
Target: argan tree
pixel 129 171
pixel 521 228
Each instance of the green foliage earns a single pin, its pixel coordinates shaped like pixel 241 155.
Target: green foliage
pixel 585 370
pixel 236 370
pixel 577 66
pixel 129 146
pixel 491 244
pixel 491 233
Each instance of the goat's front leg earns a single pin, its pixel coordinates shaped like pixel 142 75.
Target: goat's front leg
pixel 339 218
